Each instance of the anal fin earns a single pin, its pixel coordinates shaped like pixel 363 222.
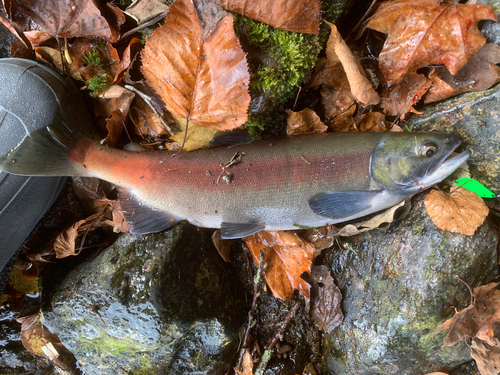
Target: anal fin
pixel 342 204
pixel 238 230
pixel 142 218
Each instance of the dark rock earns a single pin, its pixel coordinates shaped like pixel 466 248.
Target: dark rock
pixel 397 287
pixel 156 304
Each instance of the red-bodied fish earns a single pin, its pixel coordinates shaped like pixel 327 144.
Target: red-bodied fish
pixel 278 184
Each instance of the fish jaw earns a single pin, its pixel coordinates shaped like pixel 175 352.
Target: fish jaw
pixel 444 170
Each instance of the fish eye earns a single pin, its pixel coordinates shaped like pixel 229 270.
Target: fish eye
pixel 428 150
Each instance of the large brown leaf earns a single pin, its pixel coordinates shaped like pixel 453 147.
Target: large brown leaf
pixel 302 16
pixel 65 19
pixel 201 78
pixel 287 258
pixel 426 32
pixel 461 211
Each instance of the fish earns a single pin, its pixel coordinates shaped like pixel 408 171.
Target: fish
pixel 282 183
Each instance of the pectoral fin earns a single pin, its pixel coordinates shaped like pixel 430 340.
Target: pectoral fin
pixel 342 204
pixel 142 218
pixel 237 230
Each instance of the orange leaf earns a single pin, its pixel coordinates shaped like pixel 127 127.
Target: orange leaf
pixel 337 50
pixel 287 258
pixel 304 122
pixel 202 78
pixel 461 211
pixel 300 16
pixel 427 32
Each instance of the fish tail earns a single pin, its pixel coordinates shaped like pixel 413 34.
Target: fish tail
pixel 45 152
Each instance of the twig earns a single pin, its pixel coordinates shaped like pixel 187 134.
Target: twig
pixel 267 353
pixel 143 26
pixel 467 285
pixel 148 100
pixel 251 322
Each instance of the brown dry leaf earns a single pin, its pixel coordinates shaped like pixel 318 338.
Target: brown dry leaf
pixel 487 357
pixel 304 122
pixel 480 73
pixel 64 19
pixel 65 242
pixel 34 335
pixel 246 364
pixel 480 316
pixel 372 122
pixel 344 122
pixel 114 126
pixel 116 99
pixel 461 211
pixel 309 370
pixel 325 309
pixel 146 121
pixel 293 15
pixel 144 10
pixel 127 58
pixel 201 78
pixel 405 95
pixel 338 100
pixel 427 32
pixel 53 56
pixel 337 50
pixel 223 246
pixel 287 258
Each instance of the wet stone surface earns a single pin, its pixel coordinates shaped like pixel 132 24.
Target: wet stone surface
pixel 397 287
pixel 110 313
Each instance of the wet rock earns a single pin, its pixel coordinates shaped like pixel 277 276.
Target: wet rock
pixel 148 304
pixel 397 287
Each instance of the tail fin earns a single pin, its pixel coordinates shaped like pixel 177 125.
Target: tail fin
pixel 43 153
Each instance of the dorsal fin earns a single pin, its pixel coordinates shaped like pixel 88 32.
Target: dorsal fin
pixel 143 218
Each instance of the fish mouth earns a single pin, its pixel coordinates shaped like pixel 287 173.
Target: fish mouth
pixel 446 167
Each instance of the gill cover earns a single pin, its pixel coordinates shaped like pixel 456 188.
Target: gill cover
pixel 411 162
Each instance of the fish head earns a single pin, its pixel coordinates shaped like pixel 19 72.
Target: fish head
pixel 406 163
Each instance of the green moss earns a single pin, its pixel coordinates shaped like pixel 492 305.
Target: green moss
pixel 102 78
pixel 108 345
pixel 97 84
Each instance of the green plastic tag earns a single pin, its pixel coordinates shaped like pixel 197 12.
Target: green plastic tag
pixel 475 187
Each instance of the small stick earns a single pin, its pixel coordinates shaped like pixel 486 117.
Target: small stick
pixel 467 285
pixel 256 281
pixel 147 99
pixel 143 26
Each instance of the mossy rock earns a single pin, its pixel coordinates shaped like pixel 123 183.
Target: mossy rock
pixel 398 286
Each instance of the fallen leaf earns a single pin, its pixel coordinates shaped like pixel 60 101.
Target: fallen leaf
pixel 487 357
pixel 34 335
pixel 338 100
pixel 60 18
pixel 372 122
pixel 427 32
pixel 223 246
pixel 115 99
pixel 246 364
pixel 380 221
pixel 337 50
pixel 480 73
pixel 461 211
pixel 201 78
pixel 127 58
pixel 304 122
pixel 287 258
pixel 114 125
pixel 405 95
pixel 325 309
pixel 480 316
pixel 197 136
pixel 146 121
pixel 144 10
pixel 65 242
pixel 309 370
pixel 437 373
pixel 53 57
pixel 293 15
pixel 344 122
